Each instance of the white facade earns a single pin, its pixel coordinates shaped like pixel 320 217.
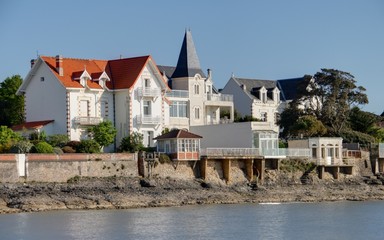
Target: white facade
pixel 237 135
pixel 46 105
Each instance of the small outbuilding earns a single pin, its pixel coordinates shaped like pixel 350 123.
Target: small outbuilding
pixel 179 145
pixel 325 150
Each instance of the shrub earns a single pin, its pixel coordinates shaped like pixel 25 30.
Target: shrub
pixel 43 147
pixel 88 146
pixel 164 158
pixel 58 140
pixel 73 144
pixel 68 149
pixel 132 143
pixel 23 146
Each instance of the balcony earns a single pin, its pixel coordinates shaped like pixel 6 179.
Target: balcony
pixel 88 121
pixel 148 92
pixel 220 97
pixel 177 94
pixel 154 120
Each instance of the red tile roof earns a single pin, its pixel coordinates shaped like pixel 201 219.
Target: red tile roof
pixel 177 134
pixel 122 72
pixel 31 125
pixel 125 72
pixel 73 65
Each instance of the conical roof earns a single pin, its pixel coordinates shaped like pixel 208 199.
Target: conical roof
pixel 188 64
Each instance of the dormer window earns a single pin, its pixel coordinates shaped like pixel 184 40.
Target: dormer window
pixel 263 97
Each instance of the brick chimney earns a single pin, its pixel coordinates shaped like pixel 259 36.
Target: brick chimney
pixel 59 65
pixel 32 62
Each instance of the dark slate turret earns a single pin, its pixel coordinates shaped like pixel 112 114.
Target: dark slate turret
pixel 188 64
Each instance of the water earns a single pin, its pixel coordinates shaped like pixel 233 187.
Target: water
pixel 337 220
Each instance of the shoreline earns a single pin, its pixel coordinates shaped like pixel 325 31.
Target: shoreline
pixel 125 193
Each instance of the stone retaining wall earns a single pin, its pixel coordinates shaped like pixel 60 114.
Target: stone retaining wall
pixel 60 168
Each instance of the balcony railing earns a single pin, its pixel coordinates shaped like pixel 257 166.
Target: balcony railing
pixel 148 119
pixel 230 152
pixel 254 152
pixel 88 120
pixel 220 97
pixel 148 92
pixel 177 94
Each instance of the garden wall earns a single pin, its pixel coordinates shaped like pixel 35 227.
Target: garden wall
pixel 60 168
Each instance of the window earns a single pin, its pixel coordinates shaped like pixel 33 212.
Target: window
pixel 104 109
pixel 197 113
pixel 196 89
pixel 264 97
pixel 277 117
pixel 84 108
pixel 263 116
pixel 178 109
pixel 147 107
pixel 41 79
pixel 147 83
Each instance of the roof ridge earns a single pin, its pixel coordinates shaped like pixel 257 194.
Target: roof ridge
pixel 118 59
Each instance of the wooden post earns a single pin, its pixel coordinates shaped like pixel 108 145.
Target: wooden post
pixel 226 165
pixel 203 168
pixel 321 171
pixel 336 171
pixel 260 166
pixel 249 169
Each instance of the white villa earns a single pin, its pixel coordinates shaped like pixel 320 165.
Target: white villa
pixel 262 99
pixel 70 95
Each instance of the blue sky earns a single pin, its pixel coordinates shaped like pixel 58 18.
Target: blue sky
pixel 262 39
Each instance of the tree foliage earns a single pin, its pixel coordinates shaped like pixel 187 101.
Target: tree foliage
pixel 104 133
pixel 329 97
pixel 11 105
pixel 7 135
pixel 336 93
pixel 308 126
pixel 88 146
pixel 132 143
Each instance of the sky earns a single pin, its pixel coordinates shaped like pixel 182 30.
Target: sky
pixel 274 39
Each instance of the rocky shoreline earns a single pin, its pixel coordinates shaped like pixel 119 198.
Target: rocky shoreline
pixel 123 193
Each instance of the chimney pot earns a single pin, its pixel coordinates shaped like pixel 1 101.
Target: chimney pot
pixel 32 62
pixel 59 65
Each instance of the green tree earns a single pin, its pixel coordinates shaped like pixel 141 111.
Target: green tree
pixel 11 105
pixel 308 126
pixel 362 121
pixel 132 143
pixel 104 133
pixel 336 93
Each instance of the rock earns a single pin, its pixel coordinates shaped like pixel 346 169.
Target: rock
pixel 147 183
pixel 206 185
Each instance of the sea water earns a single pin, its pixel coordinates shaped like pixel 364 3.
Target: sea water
pixel 327 220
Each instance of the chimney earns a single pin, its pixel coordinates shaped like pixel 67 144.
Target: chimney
pixel 32 62
pixel 59 65
pixel 209 73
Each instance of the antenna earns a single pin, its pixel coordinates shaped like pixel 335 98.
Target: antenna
pixel 37 53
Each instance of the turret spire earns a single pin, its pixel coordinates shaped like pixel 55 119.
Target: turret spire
pixel 188 64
